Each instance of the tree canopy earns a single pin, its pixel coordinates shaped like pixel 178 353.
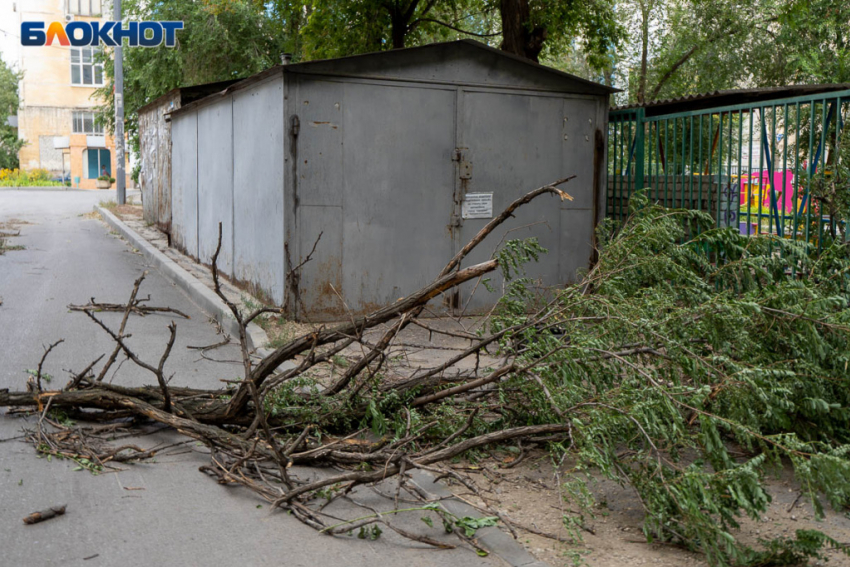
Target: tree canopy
pixel 225 39
pixel 9 143
pixel 649 48
pixel 678 47
pixel 221 39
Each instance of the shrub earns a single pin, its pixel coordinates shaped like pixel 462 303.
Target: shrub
pixel 20 178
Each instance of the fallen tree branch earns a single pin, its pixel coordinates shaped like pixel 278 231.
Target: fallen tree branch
pixel 254 437
pixel 41 363
pixel 44 515
pixel 135 307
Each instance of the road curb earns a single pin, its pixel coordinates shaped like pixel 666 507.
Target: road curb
pixel 201 295
pixel 492 539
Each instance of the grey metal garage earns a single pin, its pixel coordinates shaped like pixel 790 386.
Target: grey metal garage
pixel 155 149
pixel 396 159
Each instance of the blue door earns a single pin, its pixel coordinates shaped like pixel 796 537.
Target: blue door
pixel 93 164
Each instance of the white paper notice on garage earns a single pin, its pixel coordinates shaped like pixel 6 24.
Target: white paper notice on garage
pixel 477 206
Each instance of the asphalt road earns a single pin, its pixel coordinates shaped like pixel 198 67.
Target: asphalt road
pixel 162 513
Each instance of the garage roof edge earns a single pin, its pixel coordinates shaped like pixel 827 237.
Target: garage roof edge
pixel 319 67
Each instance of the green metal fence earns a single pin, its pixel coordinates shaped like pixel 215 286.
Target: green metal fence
pixel 776 167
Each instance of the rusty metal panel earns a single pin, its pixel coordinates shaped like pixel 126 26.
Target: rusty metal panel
pixel 387 163
pixel 258 188
pixel 148 148
pixel 517 142
pixel 319 286
pixel 315 156
pixel 155 158
pixel 184 181
pixel 397 191
pixel 215 182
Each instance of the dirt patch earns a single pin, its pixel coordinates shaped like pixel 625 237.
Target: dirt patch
pixel 531 494
pixel 128 211
pixel 13 222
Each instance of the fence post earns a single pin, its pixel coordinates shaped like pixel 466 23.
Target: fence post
pixel 640 154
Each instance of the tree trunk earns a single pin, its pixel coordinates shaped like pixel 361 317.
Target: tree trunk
pixel 399 28
pixel 518 37
pixel 514 13
pixel 401 17
pixel 644 49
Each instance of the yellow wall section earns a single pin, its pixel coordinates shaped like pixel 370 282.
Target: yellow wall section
pixel 48 98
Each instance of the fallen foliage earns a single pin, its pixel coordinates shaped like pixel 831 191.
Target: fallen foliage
pixel 687 362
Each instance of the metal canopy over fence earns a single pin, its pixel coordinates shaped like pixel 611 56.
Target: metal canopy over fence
pixel 767 164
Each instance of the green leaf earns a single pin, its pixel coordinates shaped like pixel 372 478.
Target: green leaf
pixel 470 525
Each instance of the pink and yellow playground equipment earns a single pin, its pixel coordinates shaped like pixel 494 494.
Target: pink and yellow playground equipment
pixel 755 190
pixel 782 198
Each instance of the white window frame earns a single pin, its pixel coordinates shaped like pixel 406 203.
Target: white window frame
pixel 79 64
pixel 81 118
pixel 92 8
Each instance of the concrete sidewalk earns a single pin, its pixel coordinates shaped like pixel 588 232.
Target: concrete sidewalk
pixel 174 515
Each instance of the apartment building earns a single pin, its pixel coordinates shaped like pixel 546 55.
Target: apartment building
pixel 56 117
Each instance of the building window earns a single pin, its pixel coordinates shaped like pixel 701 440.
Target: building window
pixel 85 70
pixel 85 123
pixel 96 161
pixel 85 7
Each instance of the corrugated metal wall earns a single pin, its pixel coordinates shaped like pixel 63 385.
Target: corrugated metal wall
pixel 215 182
pixel 258 188
pixel 229 169
pixel 184 181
